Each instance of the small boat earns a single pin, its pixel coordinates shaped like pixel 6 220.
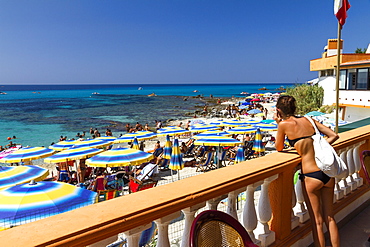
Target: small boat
pixel 195 91
pixel 152 94
pixel 95 93
pixel 140 88
pixel 3 93
pixel 244 93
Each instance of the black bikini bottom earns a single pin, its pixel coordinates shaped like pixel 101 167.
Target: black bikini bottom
pixel 320 175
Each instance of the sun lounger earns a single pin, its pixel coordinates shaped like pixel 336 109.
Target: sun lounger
pixel 207 164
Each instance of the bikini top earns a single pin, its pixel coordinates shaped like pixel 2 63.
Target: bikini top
pixel 294 141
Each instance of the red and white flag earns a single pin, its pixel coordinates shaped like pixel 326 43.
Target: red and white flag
pixel 340 10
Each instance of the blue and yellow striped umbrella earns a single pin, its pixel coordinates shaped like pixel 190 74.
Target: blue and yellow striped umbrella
pixel 75 153
pixel 257 143
pixel 119 157
pixel 242 130
pixel 63 145
pixel 24 203
pixel 217 122
pixel 252 121
pixel 140 135
pixel 233 123
pixel 135 144
pixel 240 155
pixel 176 157
pixel 203 127
pixel 217 141
pixel 172 131
pixel 266 127
pixel 93 143
pixel 167 148
pixel 211 133
pixel 27 154
pixel 13 175
pixel 107 138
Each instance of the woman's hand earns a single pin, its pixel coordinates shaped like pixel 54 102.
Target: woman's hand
pixel 277 117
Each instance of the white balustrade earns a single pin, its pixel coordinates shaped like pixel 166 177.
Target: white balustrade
pixel 294 219
pixel 133 235
pixel 162 225
pixel 265 213
pixel 189 214
pixel 346 188
pixel 302 212
pixel 249 217
pixel 213 203
pixel 232 200
pixel 357 155
pixel 351 169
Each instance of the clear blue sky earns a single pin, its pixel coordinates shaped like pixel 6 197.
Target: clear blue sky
pixel 174 41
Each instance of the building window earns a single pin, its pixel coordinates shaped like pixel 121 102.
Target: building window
pixel 351 79
pixel 342 79
pixel 362 78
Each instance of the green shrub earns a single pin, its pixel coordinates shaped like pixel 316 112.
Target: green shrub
pixel 309 98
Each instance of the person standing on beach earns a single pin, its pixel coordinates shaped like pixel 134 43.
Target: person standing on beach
pixel 318 188
pixel 146 127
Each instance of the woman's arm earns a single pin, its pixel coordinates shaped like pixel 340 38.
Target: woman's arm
pixel 280 136
pixel 332 136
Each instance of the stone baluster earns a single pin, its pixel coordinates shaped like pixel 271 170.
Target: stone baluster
pixel 162 225
pixel 302 213
pixel 265 213
pixel 294 218
pixel 249 217
pixel 133 235
pixel 189 218
pixel 356 156
pixel 338 192
pixel 351 169
pixel 213 203
pixel 232 201
pixel 346 188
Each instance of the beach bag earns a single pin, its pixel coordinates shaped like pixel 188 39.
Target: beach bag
pixel 326 157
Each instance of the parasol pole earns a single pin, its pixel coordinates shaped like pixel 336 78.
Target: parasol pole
pixel 337 79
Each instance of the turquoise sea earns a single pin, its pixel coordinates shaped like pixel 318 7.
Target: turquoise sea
pixel 39 114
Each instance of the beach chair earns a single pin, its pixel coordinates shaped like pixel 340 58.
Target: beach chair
pixel 207 164
pixel 107 194
pixel 215 229
pixel 143 180
pixel 365 163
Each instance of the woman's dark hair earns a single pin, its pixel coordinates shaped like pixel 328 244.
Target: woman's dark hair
pixel 287 105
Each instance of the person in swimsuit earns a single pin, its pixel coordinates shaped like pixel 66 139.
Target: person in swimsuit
pixel 318 188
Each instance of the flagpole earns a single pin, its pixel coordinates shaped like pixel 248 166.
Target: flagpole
pixel 337 79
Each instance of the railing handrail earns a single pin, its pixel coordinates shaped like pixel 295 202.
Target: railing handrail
pixel 99 221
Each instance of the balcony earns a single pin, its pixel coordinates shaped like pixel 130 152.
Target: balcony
pixel 260 193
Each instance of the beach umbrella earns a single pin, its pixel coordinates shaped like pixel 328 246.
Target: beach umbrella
pixel 75 153
pixel 25 203
pixel 239 155
pixel 172 131
pixel 257 143
pixel 13 175
pixel 252 121
pixel 196 121
pixel 93 143
pixel 8 151
pixel 314 113
pixel 211 133
pixel 107 138
pixel 233 123
pixel 255 99
pixel 28 154
pixel 135 144
pixel 119 157
pixel 266 127
pixel 218 140
pixel 254 111
pixel 176 162
pixel 140 136
pixel 59 146
pixel 227 103
pixel 268 121
pixel 203 127
pixel 242 130
pixel 249 97
pixel 217 122
pixel 167 148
